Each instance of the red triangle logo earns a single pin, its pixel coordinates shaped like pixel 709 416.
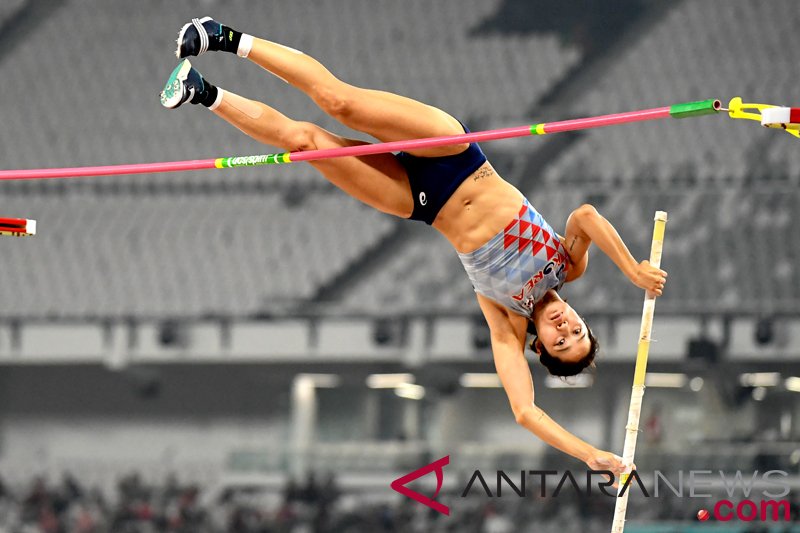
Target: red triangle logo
pixel 536 247
pixel 523 227
pixel 550 252
pixel 523 243
pixel 437 466
pixel 509 240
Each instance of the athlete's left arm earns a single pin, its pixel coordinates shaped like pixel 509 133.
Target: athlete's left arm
pixel 584 226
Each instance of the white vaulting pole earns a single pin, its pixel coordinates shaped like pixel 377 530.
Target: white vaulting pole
pixel 635 410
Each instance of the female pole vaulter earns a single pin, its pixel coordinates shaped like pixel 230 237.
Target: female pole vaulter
pixel 515 260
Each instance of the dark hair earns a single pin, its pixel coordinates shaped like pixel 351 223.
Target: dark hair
pixel 560 368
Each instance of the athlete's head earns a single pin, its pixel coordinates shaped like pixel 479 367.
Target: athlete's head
pixel 562 339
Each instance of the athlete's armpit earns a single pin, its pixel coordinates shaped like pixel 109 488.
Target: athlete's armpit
pixel 577 264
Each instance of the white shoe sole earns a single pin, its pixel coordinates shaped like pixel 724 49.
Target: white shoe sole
pixel 172 95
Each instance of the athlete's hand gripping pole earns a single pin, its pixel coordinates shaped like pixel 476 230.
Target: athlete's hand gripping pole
pixel 637 394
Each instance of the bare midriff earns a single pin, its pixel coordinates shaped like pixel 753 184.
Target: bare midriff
pixel 481 207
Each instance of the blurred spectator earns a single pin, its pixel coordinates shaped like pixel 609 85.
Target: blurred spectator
pixel 291 492
pixel 311 492
pixel 72 490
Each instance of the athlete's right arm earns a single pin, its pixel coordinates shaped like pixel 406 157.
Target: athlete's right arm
pixel 508 340
pixel 508 332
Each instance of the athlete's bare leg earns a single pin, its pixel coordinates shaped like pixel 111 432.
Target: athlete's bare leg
pixel 379 181
pixel 385 116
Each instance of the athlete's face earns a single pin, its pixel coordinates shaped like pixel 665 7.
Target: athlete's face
pixel 560 330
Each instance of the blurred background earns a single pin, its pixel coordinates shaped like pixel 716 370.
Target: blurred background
pixel 251 350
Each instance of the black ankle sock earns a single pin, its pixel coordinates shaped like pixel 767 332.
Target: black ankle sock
pixel 230 39
pixel 207 96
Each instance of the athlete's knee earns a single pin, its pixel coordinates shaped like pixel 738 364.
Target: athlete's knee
pixel 301 136
pixel 335 99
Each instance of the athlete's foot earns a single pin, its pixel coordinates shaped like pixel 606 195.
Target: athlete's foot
pixel 185 84
pixel 201 35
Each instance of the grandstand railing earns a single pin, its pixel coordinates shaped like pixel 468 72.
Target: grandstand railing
pixel 426 336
